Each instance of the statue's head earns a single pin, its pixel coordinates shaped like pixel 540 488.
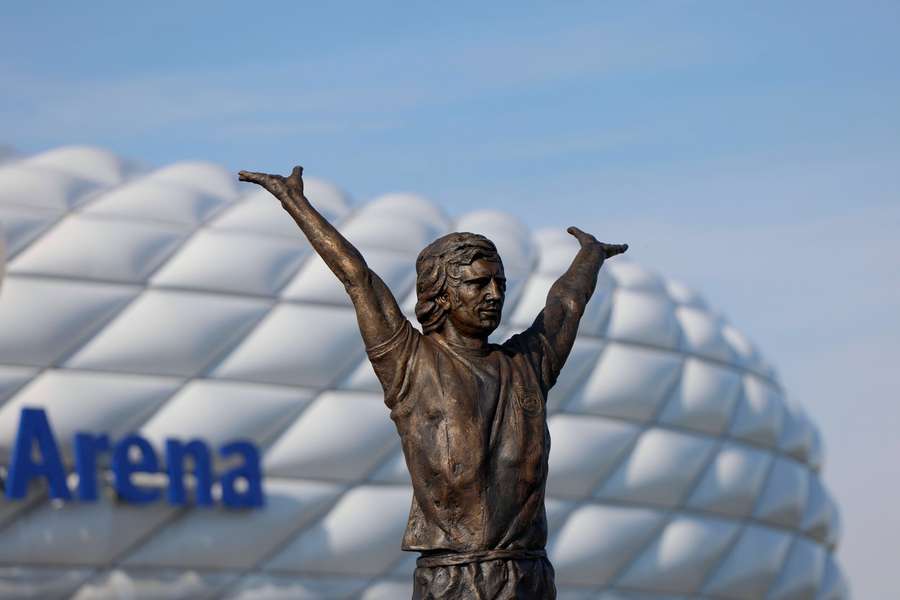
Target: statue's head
pixel 460 277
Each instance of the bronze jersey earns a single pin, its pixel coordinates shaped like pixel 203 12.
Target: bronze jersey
pixel 474 432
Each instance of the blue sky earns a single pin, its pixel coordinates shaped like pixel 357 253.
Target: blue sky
pixel 749 149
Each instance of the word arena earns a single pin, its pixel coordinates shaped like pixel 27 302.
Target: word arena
pixel 36 455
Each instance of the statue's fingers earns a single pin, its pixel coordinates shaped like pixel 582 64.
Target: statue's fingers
pixel 614 249
pixel 252 176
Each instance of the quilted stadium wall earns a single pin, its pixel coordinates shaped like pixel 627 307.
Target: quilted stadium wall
pixel 177 302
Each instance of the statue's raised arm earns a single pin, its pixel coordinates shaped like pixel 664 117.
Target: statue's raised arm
pixel 569 295
pixel 377 311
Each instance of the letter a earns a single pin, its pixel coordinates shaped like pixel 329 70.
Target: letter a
pixel 248 473
pixel 34 428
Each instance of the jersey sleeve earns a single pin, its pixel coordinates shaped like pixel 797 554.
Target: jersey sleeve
pixel 537 351
pixel 392 362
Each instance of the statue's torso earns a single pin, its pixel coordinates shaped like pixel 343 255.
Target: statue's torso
pixel 474 434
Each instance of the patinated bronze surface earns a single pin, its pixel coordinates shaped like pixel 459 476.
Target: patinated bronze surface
pixel 470 414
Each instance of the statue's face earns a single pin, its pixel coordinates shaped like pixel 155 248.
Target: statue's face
pixel 476 304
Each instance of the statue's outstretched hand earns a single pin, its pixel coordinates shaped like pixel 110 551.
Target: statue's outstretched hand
pixel 587 240
pixel 283 188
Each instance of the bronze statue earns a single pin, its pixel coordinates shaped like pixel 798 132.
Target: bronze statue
pixel 470 414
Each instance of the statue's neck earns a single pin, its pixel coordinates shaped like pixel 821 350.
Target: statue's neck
pixel 454 338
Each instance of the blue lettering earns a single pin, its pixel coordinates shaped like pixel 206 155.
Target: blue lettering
pixel 35 454
pixel 123 468
pixel 249 472
pixel 34 428
pixel 176 452
pixel 87 447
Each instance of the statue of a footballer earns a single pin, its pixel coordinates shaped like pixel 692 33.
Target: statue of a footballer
pixel 470 414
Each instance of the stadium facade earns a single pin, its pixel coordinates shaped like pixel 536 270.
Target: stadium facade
pixel 175 304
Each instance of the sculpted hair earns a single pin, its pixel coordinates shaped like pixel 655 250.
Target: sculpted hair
pixel 438 265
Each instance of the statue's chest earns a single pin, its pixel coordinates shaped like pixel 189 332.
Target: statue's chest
pixel 494 419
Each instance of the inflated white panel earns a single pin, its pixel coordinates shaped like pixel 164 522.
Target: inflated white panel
pixel 408 207
pixel 343 435
pixel 208 178
pixel 532 300
pixel 219 412
pixel 596 541
pixel 702 334
pixel 99 248
pixel 329 199
pixel 732 481
pixel 834 526
pixel 12 379
pixel 564 593
pixel 218 538
pixel 358 537
pixel 362 379
pixel 297 345
pixel 596 314
pixel 316 283
pixel 814 455
pixel 681 556
pixel 629 275
pixel 760 413
pixel 556 250
pixel 389 589
pixel 744 351
pixel 802 572
pixel 645 318
pixel 628 382
pixel 3 253
pixel 43 584
pixel 389 232
pixel 11 508
pixel 685 296
pixel 100 531
pixel 833 587
pixel 40 333
pixel 752 564
pixel 704 398
pixel 405 566
pixel 89 402
pixel 41 187
pixel 393 470
pixel 660 469
pixel 151 200
pixel 87 162
pixel 585 450
pixel 224 261
pixel 153 585
pixel 258 212
pixel 784 497
pixel 818 510
pixel 183 304
pixel 558 511
pixel 797 433
pixel 21 225
pixel 582 360
pixel 170 333
pixel 267 587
